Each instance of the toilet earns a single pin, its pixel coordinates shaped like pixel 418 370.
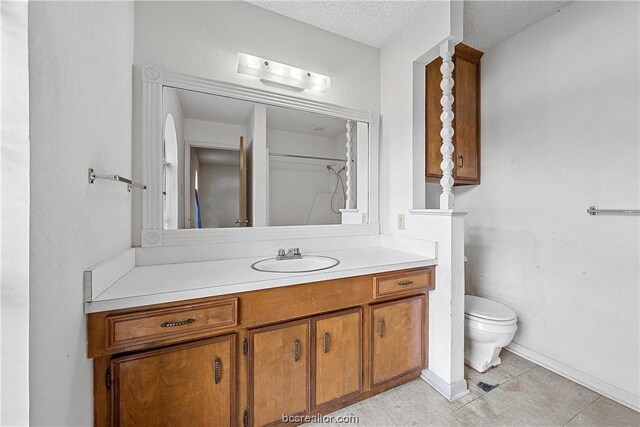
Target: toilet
pixel 488 326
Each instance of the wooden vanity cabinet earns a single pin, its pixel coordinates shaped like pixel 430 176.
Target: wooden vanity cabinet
pixel 182 385
pixel 250 358
pixel 397 325
pixel 279 372
pixel 466 123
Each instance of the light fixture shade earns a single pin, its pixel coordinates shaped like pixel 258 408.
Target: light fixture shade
pixel 282 74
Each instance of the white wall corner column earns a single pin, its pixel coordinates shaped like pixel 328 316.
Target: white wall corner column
pixel 447 49
pixel 446 301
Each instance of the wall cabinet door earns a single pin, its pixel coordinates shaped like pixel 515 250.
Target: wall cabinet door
pixel 184 385
pixel 398 338
pixel 279 372
pixel 466 123
pixel 338 355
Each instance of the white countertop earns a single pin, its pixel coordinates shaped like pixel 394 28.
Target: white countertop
pixel 177 282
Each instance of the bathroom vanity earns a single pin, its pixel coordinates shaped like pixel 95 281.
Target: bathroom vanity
pixel 194 329
pixel 248 358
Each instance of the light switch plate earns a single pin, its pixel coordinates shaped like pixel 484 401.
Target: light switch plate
pixel 401 222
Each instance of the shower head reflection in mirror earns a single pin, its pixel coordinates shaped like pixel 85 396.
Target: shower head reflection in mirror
pixel 335 190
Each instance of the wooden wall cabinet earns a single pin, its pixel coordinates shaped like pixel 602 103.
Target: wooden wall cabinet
pixel 237 361
pixel 466 108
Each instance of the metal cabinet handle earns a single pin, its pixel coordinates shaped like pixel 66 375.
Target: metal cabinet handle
pixel 178 323
pixel 296 350
pixel 381 324
pixel 326 342
pixel 406 283
pixel 218 362
pixel 461 161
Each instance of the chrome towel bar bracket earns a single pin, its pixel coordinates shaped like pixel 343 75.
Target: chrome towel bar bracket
pixel 130 184
pixel 594 210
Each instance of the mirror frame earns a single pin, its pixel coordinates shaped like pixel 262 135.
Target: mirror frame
pixel 360 221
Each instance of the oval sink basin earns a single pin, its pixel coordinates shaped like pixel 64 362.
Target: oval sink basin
pixel 302 265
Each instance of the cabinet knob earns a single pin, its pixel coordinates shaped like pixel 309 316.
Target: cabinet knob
pixel 296 350
pixel 217 365
pixel 460 161
pixel 381 325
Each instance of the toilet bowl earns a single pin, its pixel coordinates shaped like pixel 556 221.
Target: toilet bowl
pixel 488 326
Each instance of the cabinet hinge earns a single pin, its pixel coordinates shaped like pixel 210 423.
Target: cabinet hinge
pixel 245 346
pixel 107 379
pixel 245 418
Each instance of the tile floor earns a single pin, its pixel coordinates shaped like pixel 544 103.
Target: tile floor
pixel 526 395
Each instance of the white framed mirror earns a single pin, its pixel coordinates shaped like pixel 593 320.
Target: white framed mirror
pixel 223 162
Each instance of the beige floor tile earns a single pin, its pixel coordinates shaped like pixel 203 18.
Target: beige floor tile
pixel 415 403
pixel 606 412
pixel 495 376
pixel 538 398
pixel 533 397
pixel 370 413
pixel 514 364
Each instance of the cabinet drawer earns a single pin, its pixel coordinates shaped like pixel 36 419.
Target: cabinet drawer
pixel 158 325
pixel 406 282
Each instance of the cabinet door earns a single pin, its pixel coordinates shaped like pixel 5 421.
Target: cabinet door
pixel 184 385
pixel 279 372
pixel 398 338
pixel 433 125
pixel 338 355
pixel 466 121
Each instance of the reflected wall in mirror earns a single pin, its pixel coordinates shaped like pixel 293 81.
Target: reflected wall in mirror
pixel 233 163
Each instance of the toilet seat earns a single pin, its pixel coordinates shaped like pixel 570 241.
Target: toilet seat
pixel 484 310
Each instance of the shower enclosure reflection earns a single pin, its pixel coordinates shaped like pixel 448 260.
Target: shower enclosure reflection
pixel 232 163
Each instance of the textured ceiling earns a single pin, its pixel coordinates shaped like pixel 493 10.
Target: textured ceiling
pixel 489 23
pixel 486 23
pixel 368 22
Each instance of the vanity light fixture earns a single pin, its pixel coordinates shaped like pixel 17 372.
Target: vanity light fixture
pixel 272 72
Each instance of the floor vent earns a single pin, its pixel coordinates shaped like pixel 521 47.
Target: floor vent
pixel 486 387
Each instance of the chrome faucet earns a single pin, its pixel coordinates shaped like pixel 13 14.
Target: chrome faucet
pixel 293 253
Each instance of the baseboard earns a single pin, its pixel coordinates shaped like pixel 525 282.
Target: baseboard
pixel 608 390
pixel 451 392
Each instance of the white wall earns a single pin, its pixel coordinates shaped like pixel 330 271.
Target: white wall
pixel 219 195
pixel 402 185
pixel 14 218
pixel 418 42
pixel 80 57
pixel 204 38
pixel 560 120
pixel 300 190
